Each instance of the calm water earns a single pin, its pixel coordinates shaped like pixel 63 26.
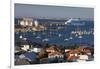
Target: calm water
pixel 60 37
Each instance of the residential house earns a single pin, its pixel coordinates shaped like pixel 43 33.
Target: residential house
pixel 72 55
pixel 54 52
pixel 85 50
pixel 25 47
pixel 79 54
pixel 67 50
pixel 24 44
pixel 83 58
pixel 36 49
pixel 22 62
pixel 29 56
pixel 52 49
pixel 55 55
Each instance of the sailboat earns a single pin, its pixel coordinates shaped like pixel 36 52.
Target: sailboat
pixel 76 35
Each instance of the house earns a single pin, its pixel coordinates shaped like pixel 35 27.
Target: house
pixel 67 50
pixel 29 56
pixel 17 49
pixel 80 54
pixel 54 52
pixel 36 49
pixel 85 50
pixel 25 47
pixel 24 44
pixel 52 49
pixel 72 55
pixel 83 58
pixel 21 62
pixel 54 55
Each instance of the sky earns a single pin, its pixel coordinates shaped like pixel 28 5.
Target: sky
pixel 28 10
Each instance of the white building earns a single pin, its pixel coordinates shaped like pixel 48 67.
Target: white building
pixel 36 23
pixel 67 50
pixel 25 47
pixel 55 55
pixel 26 22
pixel 36 50
pixel 83 58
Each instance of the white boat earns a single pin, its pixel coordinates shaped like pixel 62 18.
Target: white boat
pixel 70 20
pixel 20 36
pixel 46 39
pixel 73 32
pixel 59 35
pixel 38 37
pixel 24 38
pixel 80 37
pixel 70 37
pixel 66 39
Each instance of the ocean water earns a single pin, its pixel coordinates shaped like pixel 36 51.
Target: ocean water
pixel 63 36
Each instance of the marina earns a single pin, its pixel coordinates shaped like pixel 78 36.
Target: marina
pixel 59 32
pixel 53 34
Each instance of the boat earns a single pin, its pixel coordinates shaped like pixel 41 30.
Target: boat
pixel 20 36
pixel 59 35
pixel 76 35
pixel 24 38
pixel 38 37
pixel 70 37
pixel 46 39
pixel 80 37
pixel 68 21
pixel 66 39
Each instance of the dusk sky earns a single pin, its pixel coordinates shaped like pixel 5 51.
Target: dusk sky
pixel 26 10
